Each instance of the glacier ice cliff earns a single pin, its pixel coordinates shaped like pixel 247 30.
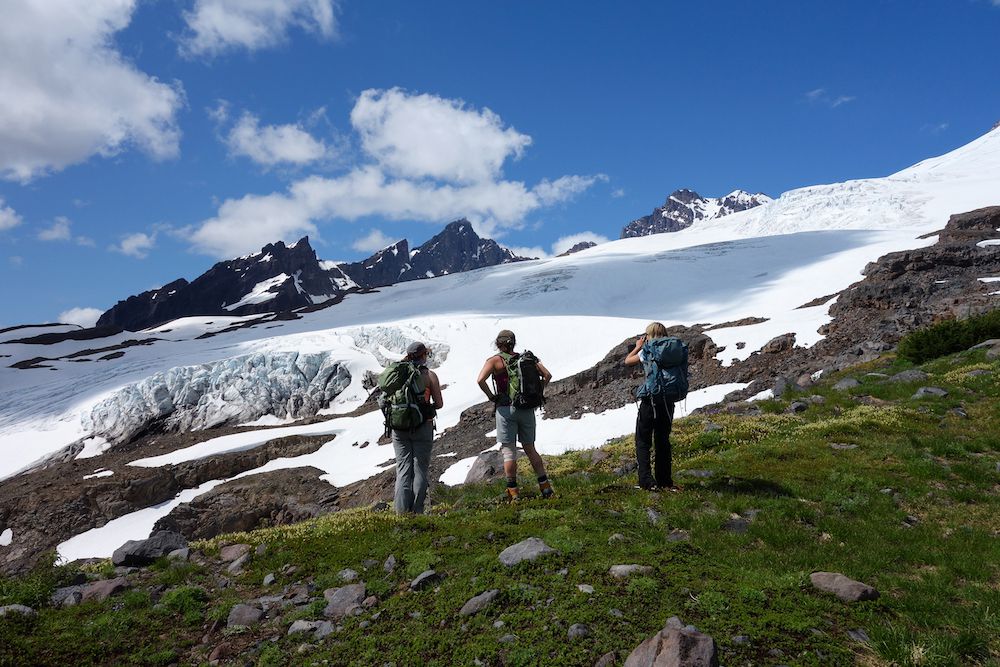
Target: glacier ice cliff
pixel 225 392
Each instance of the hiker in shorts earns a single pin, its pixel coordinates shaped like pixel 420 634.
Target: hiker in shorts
pixel 513 424
pixel 413 447
pixel 653 424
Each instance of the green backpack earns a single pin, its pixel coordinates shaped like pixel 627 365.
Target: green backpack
pixel 402 399
pixel 524 382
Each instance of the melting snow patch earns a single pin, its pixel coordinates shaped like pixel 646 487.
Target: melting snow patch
pixel 6 537
pixel 762 395
pixel 990 280
pixel 988 242
pixel 260 292
pixel 441 456
pixel 92 447
pixel 101 473
pixel 457 472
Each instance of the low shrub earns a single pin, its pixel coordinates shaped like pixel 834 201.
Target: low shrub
pixel 948 337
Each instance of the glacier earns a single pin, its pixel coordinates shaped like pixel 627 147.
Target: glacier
pixel 226 392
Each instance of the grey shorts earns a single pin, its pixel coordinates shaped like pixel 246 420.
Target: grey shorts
pixel 515 424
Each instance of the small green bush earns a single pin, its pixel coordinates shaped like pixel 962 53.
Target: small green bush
pixel 948 337
pixel 188 601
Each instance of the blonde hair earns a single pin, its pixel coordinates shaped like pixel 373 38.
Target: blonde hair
pixel 656 330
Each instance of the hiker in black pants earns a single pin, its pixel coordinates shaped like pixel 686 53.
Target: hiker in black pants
pixel 656 416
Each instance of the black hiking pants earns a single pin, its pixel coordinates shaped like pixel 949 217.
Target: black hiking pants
pixel 652 427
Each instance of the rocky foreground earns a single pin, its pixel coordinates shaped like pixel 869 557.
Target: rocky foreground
pixel 822 527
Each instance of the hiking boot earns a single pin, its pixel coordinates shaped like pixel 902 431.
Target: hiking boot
pixel 512 494
pixel 546 489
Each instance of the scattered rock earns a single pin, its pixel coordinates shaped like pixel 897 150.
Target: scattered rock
pixel 347 575
pixel 236 567
pixel 136 553
pixel 498 624
pixel 578 631
pixel 424 579
pixel 979 372
pixel 508 639
pixel 528 549
pixel 816 399
pixel 180 554
pixel 260 550
pixel 269 579
pixel 993 342
pixel 67 596
pixel 652 515
pixel 617 613
pixel 478 603
pixel 585 588
pixel 233 552
pixel 844 588
pixel 626 571
pixel 676 645
pixel 842 446
pixel 221 652
pixel 369 563
pixel 910 521
pixel 678 535
pixel 343 601
pixel 617 537
pixel 930 391
pixel 390 564
pixel 102 590
pixel 17 610
pixel 320 629
pixel 606 660
pixel 859 635
pixel 740 640
pixel 712 427
pixel 369 602
pixel 796 407
pixel 912 375
pixel 487 466
pixel 959 412
pixel 244 615
pixel 846 383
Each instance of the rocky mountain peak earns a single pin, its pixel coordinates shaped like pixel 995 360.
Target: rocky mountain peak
pixel 684 207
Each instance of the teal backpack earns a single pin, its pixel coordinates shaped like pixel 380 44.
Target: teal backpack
pixel 665 361
pixel 402 400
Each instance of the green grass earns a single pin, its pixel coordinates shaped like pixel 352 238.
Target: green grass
pixel 816 509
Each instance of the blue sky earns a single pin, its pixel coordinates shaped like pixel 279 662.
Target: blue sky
pixel 141 142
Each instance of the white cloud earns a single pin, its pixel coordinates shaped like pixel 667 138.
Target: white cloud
pixel 567 242
pixel 821 96
pixel 374 240
pixel 85 241
pixel 273 144
pixel 69 94
pixel 136 245
pixel 16 261
pixel 58 231
pixel 216 26
pixel 8 216
pixel 458 175
pixel 426 136
pixel 618 193
pixel 84 317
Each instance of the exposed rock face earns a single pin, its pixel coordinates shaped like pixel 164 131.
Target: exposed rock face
pixel 676 645
pixel 278 278
pixel 231 391
pixel 685 207
pixel 271 498
pixel 283 278
pixel 136 553
pixel 582 245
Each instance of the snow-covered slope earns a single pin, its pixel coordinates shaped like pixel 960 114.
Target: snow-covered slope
pixel 763 262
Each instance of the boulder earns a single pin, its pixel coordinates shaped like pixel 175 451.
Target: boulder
pixel 606 660
pixel 67 596
pixel 233 552
pixel 344 601
pixel 180 554
pixel 930 391
pixel 846 383
pixel 778 344
pixel 347 575
pixel 478 603
pixel 528 549
pixel 136 553
pixel 102 590
pixel 797 406
pixel 424 579
pixel 319 629
pixel 236 567
pixel 912 375
pixel 844 588
pixel 626 571
pixel 17 610
pixel 487 466
pixel 676 645
pixel 269 579
pixel 244 615
pixel 578 631
pixel 390 564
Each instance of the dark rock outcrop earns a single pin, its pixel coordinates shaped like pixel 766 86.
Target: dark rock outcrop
pixel 685 207
pixel 136 553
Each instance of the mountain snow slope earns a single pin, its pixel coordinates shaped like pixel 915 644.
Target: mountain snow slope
pixel 763 262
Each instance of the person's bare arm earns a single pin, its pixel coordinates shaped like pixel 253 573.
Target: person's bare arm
pixel 546 375
pixel 633 357
pixel 484 375
pixel 435 385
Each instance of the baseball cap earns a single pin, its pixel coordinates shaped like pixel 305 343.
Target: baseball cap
pixel 415 349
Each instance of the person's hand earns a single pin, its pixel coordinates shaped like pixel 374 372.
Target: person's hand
pixel 639 341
